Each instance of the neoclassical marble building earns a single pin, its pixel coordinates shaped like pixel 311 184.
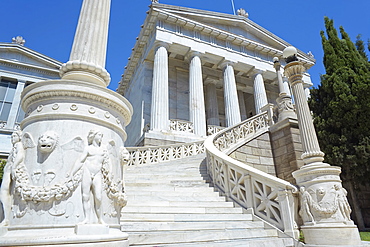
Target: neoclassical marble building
pixel 193 71
pixel 19 67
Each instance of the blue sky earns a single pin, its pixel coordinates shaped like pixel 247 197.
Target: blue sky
pixel 49 26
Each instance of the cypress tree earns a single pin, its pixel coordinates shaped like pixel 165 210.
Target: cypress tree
pixel 341 107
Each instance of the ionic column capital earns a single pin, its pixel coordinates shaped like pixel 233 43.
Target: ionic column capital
pixel 226 63
pixel 257 72
pixel 159 44
pixel 210 81
pixel 192 53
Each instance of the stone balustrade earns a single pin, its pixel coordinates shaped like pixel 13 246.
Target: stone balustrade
pixel 266 196
pixel 213 129
pixel 181 125
pixel 153 155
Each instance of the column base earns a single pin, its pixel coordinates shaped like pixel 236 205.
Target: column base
pixel 3 230
pixel 331 235
pixel 52 237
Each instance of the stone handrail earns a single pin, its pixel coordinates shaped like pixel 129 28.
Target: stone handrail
pixel 153 155
pixel 267 197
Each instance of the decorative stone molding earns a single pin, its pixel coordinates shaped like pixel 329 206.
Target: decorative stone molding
pixel 72 67
pixel 106 99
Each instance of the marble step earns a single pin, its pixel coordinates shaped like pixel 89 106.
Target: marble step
pixel 147 196
pixel 165 237
pixel 169 165
pixel 189 204
pixel 255 242
pixel 168 188
pixel 180 210
pixel 174 183
pixel 183 226
pixel 162 173
pixel 183 217
pixel 163 179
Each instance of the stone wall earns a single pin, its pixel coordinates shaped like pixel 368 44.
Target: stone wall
pixel 257 153
pixel 286 148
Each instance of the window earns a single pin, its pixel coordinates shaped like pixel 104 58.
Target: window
pixel 7 91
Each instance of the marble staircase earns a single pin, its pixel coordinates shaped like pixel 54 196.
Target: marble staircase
pixel 171 204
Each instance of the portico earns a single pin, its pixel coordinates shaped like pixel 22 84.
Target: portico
pixel 192 73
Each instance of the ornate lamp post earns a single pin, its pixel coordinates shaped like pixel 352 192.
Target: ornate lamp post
pixel 325 211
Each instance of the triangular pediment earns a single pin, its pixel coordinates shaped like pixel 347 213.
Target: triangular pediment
pixel 237 25
pixel 22 56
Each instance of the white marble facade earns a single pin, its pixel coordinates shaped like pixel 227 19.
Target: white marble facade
pixel 224 61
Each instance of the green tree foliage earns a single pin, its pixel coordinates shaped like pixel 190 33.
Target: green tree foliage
pixel 360 45
pixel 341 105
pixel 2 165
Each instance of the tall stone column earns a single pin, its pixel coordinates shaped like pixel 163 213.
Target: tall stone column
pixel 88 55
pixel 212 104
pixel 232 110
pixel 325 210
pixel 260 97
pixel 284 101
pixel 243 110
pixel 196 96
pixel 62 185
pixel 159 119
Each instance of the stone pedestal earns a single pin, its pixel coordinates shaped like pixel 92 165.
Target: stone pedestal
pixel 62 183
pixel 324 208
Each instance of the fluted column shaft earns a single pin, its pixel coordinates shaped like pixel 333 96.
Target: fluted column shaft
pixel 260 97
pixel 159 119
pixel 232 110
pixel 196 94
pixel 212 105
pixel 88 55
pixel 311 148
pixel 243 110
